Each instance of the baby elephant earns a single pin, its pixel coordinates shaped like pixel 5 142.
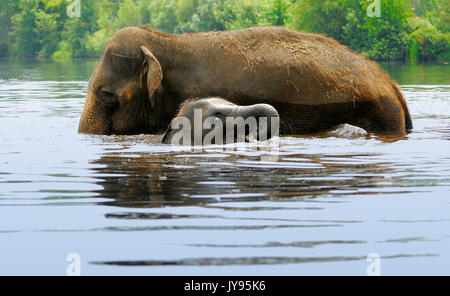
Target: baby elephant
pixel 217 121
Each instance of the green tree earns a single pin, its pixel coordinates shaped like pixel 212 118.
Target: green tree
pixel 387 35
pixel 275 11
pixel 322 16
pixel 24 32
pixel 76 31
pixel 199 15
pixel 381 38
pixel 47 26
pixel 7 10
pixel 438 14
pixel 426 42
pixel 107 11
pixel 131 13
pixel 407 29
pixel 163 15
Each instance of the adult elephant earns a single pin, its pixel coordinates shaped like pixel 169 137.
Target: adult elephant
pixel 313 81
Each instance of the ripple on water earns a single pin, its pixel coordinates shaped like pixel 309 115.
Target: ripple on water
pixel 322 199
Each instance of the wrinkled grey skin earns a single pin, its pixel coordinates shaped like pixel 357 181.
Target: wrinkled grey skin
pixel 218 110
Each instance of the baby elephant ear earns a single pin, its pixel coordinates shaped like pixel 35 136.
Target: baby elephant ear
pixel 154 74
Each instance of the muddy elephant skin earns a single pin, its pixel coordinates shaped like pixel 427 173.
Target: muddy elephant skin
pixel 314 82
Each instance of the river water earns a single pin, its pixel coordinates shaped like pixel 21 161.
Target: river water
pixel 131 206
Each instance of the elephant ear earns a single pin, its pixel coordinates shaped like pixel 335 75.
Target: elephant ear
pixel 154 73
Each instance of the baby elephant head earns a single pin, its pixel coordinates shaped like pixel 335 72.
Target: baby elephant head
pixel 218 121
pixel 120 97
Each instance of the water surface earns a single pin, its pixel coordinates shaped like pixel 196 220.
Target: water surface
pixel 129 205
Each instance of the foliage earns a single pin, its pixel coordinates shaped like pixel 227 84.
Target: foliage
pixel 76 31
pixel 47 26
pixel 414 30
pixel 7 9
pixel 426 42
pixel 387 35
pixel 24 29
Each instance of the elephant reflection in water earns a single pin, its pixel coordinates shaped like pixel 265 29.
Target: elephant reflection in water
pixel 150 181
pixel 157 180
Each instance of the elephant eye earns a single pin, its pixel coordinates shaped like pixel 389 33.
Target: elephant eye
pixel 106 94
pixel 107 98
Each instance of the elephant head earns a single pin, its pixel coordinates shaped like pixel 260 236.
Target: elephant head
pixel 121 92
pixel 218 121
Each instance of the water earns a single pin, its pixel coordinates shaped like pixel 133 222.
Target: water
pixel 128 205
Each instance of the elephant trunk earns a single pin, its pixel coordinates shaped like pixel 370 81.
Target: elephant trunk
pixel 260 110
pixel 264 114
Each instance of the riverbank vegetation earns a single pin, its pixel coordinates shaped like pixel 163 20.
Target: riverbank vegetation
pixel 409 30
